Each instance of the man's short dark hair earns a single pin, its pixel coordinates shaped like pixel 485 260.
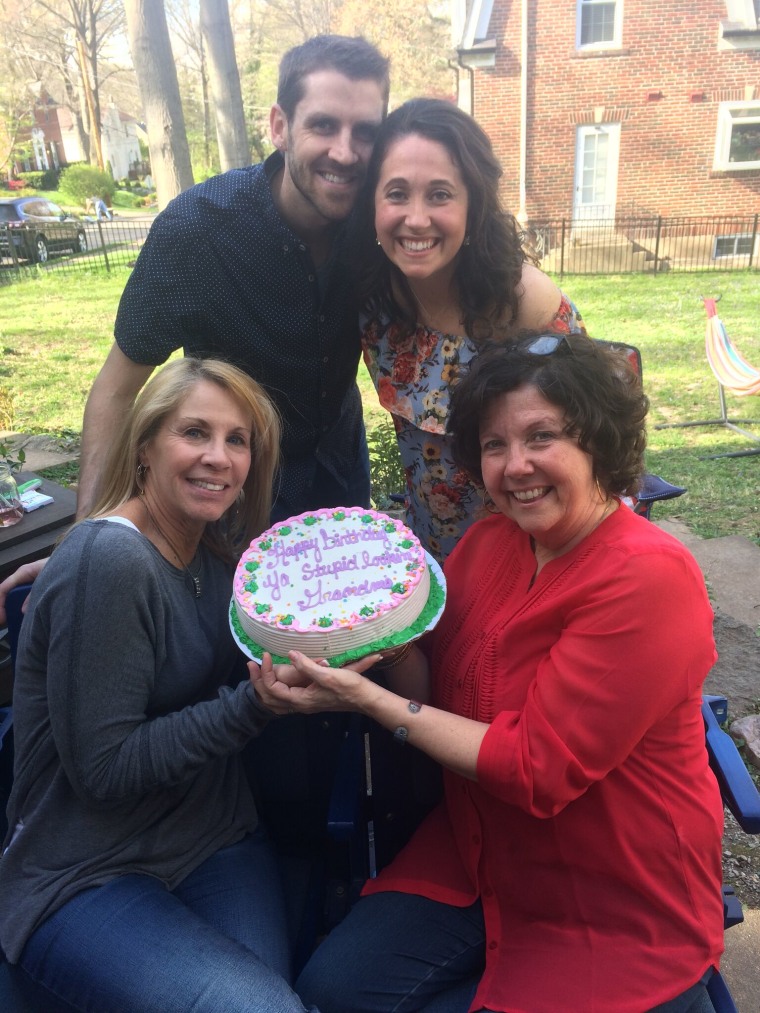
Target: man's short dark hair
pixel 354 57
pixel 599 393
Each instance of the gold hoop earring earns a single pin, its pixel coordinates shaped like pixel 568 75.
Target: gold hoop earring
pixel 602 494
pixel 140 473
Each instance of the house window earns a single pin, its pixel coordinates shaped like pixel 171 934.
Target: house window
pixel 732 246
pixel 737 143
pixel 599 24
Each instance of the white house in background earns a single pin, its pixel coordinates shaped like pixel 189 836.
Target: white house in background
pixel 121 147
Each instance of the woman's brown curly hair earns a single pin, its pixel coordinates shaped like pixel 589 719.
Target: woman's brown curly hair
pixel 488 268
pixel 592 382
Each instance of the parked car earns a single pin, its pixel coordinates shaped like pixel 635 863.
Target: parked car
pixel 38 227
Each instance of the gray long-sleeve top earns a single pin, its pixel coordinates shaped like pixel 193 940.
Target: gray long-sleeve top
pixel 131 705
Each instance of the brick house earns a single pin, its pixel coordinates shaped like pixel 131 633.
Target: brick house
pixel 42 139
pixel 52 141
pixel 605 107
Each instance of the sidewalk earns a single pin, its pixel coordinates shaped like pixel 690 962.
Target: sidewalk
pixel 41 451
pixel 731 566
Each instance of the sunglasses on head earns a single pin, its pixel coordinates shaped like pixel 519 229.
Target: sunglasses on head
pixel 544 344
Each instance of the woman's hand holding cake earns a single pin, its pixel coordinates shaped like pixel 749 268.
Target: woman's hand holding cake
pixel 308 686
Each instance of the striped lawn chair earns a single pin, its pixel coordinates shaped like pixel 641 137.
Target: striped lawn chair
pixel 733 373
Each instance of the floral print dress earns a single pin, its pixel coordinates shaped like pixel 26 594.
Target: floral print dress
pixel 413 377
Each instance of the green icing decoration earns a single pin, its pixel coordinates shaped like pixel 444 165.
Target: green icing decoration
pixel 339 515
pixel 261 609
pixel 286 620
pixel 406 544
pixel 367 610
pixel 325 621
pixel 367 519
pixel 265 545
pixel 310 520
pixel 399 589
pixel 285 530
pixel 390 527
pixel 435 601
pixel 250 567
pixel 251 586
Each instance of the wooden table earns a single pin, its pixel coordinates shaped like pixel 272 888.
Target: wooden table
pixel 37 532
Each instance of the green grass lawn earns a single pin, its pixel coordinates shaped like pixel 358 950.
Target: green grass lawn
pixel 55 333
pixel 664 317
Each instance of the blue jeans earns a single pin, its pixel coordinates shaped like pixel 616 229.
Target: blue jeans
pixel 217 942
pixel 400 953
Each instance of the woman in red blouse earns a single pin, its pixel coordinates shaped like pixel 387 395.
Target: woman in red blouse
pixel 574 865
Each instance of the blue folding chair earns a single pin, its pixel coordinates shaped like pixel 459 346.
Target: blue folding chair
pixel 741 797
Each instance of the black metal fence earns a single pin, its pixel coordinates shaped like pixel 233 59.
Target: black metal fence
pixel 622 245
pixel 110 244
pixel 651 243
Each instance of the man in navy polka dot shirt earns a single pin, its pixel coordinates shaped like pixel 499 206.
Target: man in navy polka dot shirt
pixel 250 267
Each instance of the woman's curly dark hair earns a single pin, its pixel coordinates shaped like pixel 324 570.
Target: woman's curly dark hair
pixel 592 382
pixel 488 268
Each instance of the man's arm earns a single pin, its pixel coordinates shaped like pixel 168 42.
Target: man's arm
pixel 112 394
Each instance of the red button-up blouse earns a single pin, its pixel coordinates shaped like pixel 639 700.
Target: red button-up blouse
pixel 593 833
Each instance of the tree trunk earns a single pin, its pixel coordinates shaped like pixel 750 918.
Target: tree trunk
pixel 206 109
pixel 92 114
pixel 76 104
pixel 216 30
pixel 157 79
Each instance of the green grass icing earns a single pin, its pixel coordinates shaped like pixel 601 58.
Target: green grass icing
pixel 435 601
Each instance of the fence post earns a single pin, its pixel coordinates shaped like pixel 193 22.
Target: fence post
pixel 562 254
pixel 754 240
pixel 103 245
pixel 12 251
pixel 657 243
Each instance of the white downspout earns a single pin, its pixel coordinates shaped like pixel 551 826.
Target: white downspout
pixel 522 214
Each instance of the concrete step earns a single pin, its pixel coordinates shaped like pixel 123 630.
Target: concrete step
pixel 579 259
pixel 41 451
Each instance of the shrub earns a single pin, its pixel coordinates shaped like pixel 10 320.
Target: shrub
pixel 123 199
pixel 385 467
pixel 40 179
pixel 84 181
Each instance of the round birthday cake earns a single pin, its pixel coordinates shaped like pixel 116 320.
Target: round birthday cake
pixel 334 582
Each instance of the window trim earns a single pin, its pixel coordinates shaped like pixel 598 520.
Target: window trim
pixel 736 237
pixel 723 134
pixel 615 42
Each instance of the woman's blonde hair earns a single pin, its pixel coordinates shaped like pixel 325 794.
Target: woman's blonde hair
pixel 162 395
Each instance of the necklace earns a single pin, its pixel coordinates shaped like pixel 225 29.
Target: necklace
pixel 430 318
pixel 609 507
pixel 194 577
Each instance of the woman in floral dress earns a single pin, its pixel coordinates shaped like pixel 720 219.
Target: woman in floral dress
pixel 446 273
